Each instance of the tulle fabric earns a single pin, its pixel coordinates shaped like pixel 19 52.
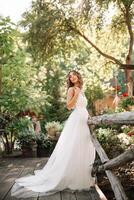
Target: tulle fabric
pixel 70 164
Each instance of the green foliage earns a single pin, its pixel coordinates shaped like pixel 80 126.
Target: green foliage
pixel 93 92
pixel 18 77
pixel 43 141
pixel 55 107
pixel 128 101
pixel 52 32
pixel 127 2
pixel 7 32
pixel 111 110
pixel 23 125
pixel 43 39
pixel 26 139
pixel 119 2
pixel 110 142
pixel 126 128
pixel 19 85
pixel 25 132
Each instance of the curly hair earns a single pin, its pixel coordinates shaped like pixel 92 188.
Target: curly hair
pixel 70 84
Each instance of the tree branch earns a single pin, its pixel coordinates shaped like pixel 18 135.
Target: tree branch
pixel 129 26
pixel 94 46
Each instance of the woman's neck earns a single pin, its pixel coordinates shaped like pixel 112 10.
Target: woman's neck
pixel 77 85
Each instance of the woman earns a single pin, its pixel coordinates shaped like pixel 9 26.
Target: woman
pixel 70 164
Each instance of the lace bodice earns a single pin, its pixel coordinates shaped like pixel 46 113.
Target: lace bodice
pixel 81 101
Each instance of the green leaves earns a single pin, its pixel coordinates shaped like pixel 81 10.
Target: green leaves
pixel 7 32
pixel 110 141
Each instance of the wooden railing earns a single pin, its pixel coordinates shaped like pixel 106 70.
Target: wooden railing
pixel 124 118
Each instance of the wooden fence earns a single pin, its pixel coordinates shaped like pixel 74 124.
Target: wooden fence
pixel 124 118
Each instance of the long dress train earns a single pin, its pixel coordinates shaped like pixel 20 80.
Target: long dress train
pixel 70 164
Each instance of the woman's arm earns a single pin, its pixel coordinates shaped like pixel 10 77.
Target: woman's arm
pixel 72 96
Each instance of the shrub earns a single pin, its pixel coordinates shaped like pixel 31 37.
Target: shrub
pixel 110 142
pixel 128 101
pixel 26 139
pixel 25 132
pixel 43 141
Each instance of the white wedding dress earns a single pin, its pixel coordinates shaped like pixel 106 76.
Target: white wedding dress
pixel 70 164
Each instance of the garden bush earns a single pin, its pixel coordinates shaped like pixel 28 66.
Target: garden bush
pixel 110 142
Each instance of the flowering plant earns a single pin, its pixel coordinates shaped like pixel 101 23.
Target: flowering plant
pixel 126 128
pixel 125 94
pixel 128 101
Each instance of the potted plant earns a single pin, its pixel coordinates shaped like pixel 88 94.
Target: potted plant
pixel 26 137
pixel 53 128
pixel 43 145
pixel 27 143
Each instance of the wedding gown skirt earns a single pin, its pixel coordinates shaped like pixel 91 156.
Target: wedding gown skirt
pixel 70 164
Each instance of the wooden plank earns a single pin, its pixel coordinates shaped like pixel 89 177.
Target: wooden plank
pixel 66 195
pixel 56 196
pixel 94 194
pixel 21 162
pixel 127 66
pixel 9 165
pixel 98 147
pixel 101 195
pixel 24 173
pixel 10 162
pixel 3 174
pixel 7 183
pixel 32 164
pixel 83 195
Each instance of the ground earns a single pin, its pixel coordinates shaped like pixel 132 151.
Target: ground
pixel 12 168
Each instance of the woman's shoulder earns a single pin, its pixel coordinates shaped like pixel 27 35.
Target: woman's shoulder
pixel 71 88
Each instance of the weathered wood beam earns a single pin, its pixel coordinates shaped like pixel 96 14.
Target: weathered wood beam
pixel 122 159
pixel 116 118
pixel 114 181
pixel 127 66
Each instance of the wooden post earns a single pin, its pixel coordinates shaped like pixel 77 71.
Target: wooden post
pixel 115 183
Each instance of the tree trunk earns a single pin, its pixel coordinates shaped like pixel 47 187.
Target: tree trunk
pixel 128 73
pixel 7 144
